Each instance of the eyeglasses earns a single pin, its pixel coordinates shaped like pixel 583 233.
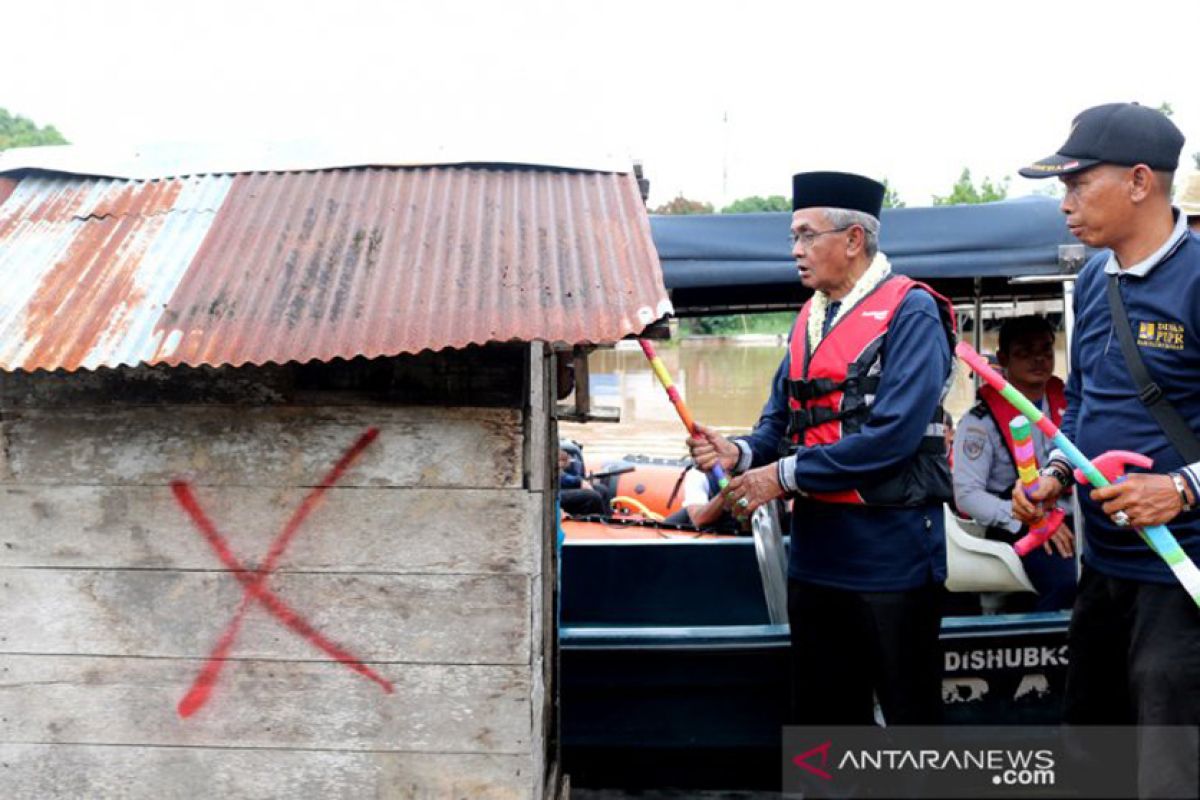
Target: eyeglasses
pixel 807 237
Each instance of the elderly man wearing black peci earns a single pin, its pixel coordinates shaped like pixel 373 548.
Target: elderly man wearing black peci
pixel 853 430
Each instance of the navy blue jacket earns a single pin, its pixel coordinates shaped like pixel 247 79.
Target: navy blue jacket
pixel 571 476
pixel 1104 412
pixel 862 548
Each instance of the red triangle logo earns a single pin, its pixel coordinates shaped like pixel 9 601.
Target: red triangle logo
pixel 823 751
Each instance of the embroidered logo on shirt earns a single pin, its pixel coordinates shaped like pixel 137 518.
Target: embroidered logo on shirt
pixel 1161 335
pixel 973 446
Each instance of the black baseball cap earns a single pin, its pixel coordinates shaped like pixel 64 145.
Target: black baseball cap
pixel 837 190
pixel 1114 133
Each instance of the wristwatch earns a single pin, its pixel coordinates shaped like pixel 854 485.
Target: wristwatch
pixel 1059 472
pixel 1181 486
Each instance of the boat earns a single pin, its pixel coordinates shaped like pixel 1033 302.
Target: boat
pixel 674 655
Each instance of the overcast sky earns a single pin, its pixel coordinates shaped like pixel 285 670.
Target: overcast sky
pixel 718 99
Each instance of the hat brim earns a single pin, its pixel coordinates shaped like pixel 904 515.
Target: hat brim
pixel 1055 165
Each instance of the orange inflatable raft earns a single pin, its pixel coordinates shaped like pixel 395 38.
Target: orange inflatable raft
pixel 641 499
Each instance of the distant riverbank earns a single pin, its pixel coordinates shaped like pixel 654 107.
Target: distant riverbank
pixel 724 378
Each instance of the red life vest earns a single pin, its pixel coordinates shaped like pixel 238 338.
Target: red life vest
pixel 831 391
pixel 1003 412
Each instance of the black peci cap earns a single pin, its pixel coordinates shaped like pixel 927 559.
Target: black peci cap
pixel 1114 133
pixel 837 190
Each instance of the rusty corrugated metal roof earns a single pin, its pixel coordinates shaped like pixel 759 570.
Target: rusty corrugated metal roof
pixel 6 187
pixel 267 267
pixel 158 160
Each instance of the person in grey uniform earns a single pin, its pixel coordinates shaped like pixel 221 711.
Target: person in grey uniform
pixel 985 467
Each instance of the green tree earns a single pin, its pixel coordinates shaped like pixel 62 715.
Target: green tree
pixel 17 131
pixel 756 203
pixel 681 205
pixel 891 198
pixel 713 326
pixel 966 192
pixel 776 322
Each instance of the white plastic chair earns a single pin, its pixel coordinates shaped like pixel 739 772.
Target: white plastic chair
pixel 975 564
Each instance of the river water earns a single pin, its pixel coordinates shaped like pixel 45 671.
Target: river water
pixel 724 381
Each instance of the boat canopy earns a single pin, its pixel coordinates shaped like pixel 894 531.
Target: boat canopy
pixel 721 263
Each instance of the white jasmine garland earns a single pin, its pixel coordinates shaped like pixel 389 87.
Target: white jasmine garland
pixel 875 274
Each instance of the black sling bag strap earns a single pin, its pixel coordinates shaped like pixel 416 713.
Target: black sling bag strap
pixel 1150 393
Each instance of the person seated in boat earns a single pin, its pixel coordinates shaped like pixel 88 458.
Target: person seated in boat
pixel 1189 202
pixel 984 462
pixel 703 506
pixel 576 494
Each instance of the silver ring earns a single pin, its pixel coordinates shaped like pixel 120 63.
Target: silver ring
pixel 1121 519
pixel 743 503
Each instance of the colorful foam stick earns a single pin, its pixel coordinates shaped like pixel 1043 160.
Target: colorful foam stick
pixel 1027 470
pixel 1159 537
pixel 681 408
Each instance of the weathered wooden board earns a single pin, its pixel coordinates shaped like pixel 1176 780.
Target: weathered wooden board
pixel 457 619
pixel 537 419
pixel 83 772
pixel 277 446
pixel 132 701
pixel 354 530
pixel 249 385
pixel 472 376
pixel 425 560
pixel 541 459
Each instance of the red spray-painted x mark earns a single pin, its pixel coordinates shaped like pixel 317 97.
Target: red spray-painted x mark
pixel 254 582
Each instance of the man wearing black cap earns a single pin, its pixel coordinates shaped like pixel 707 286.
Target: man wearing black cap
pixel 853 431
pixel 1135 632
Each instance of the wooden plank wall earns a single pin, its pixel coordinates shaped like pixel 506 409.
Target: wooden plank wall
pixel 426 560
pixel 541 477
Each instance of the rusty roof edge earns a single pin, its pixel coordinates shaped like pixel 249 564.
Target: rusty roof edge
pixel 20 173
pixel 251 363
pixel 296 268
pixel 163 161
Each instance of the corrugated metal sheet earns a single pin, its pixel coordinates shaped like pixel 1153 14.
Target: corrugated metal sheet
pixel 157 160
pixel 258 268
pixel 86 266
